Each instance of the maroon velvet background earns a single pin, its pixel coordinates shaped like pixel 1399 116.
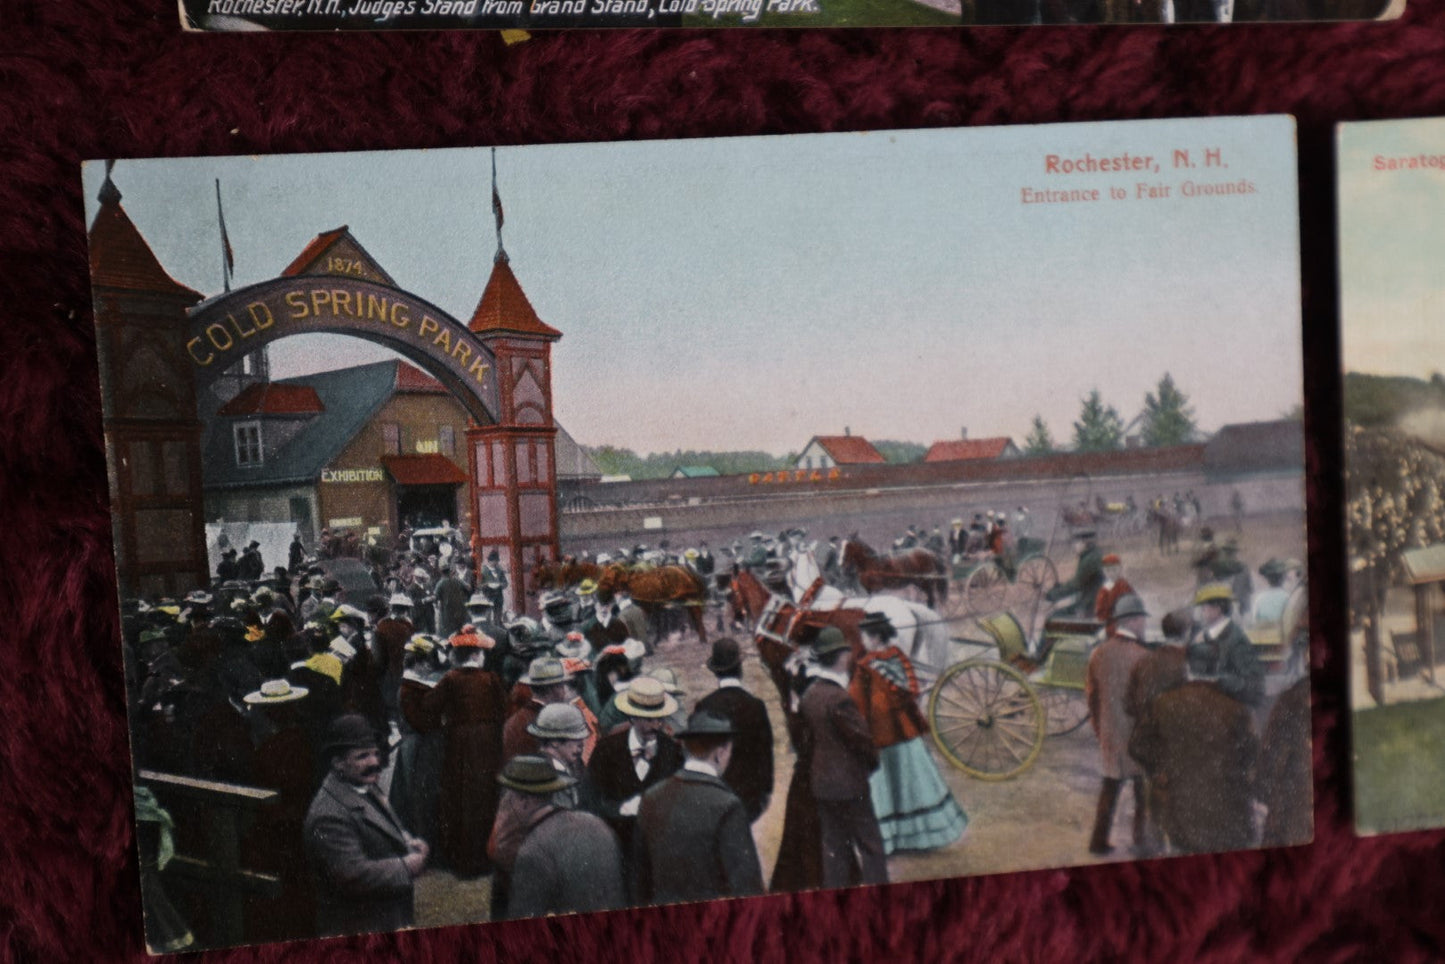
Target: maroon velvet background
pixel 116 78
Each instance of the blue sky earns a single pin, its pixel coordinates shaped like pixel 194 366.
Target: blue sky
pixel 754 292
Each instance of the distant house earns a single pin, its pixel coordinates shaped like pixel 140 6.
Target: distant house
pixel 695 472
pixel 828 451
pixel 1251 448
pixel 971 449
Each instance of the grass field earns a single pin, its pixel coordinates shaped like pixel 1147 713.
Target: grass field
pixel 846 13
pixel 1400 766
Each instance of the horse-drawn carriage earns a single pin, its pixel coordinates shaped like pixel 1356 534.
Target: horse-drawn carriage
pixel 990 714
pixel 1014 581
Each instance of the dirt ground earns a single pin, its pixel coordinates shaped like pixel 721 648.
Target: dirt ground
pixel 1040 818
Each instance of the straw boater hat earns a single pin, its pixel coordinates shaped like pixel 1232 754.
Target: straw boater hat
pixel 469 637
pixel 400 599
pixel 545 671
pixel 559 721
pixel 478 600
pixel 533 774
pixel 1214 592
pixel 587 588
pixel 275 691
pixel 345 613
pixel 647 698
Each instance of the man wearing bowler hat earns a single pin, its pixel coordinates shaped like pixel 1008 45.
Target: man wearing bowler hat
pixel 695 842
pixel 843 755
pixel 364 860
pixel 561 861
pixel 749 771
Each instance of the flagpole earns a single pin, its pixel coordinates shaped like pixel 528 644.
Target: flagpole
pixel 501 255
pixel 225 241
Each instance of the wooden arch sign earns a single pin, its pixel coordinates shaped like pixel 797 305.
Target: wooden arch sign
pixel 223 329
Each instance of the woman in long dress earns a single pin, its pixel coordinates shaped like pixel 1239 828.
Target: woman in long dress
pixel 915 809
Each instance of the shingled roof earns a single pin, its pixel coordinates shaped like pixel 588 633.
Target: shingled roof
pixel 504 307
pixel 966 449
pixel 1249 447
pixel 274 398
pixel 849 449
pixel 121 258
pixel 350 397
pixel 411 379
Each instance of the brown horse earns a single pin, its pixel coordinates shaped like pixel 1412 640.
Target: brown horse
pixel 653 589
pixel 779 626
pixel 565 574
pixel 908 567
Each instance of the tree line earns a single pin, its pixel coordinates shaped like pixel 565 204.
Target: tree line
pixel 1167 419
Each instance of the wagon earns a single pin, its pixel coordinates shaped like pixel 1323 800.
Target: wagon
pixel 989 716
pixel 984 584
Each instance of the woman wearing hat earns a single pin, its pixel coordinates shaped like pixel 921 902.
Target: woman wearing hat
pixel 914 807
pixel 469 706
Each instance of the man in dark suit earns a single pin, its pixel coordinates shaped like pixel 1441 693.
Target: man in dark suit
pixel 363 858
pixel 694 838
pixel 630 761
pixel 843 755
pixel 749 770
pixel 1220 651
pixel 451 601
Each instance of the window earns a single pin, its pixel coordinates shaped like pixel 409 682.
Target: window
pixel 391 438
pixel 447 436
pixel 248 443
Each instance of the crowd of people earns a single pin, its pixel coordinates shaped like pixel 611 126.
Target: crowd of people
pixel 555 755
pixel 1393 503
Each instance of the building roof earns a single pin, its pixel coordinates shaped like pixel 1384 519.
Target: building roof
pixel 350 397
pixel 274 398
pixel 1256 447
pixel 848 449
pixel 314 249
pixel 964 449
pixel 695 471
pixel 121 258
pixel 428 469
pixel 411 379
pixel 505 308
pixel 1425 565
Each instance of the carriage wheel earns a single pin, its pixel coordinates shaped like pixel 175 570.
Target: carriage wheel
pixel 1065 709
pixel 956 606
pixel 986 590
pixel 986 719
pixel 1036 576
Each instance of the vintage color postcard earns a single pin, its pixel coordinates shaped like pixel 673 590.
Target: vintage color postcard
pixel 1392 294
pixel 250 15
pixel 551 529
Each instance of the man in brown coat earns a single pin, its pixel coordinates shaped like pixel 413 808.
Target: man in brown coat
pixel 843 755
pixel 1106 685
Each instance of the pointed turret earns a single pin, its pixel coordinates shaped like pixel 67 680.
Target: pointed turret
pixel 120 258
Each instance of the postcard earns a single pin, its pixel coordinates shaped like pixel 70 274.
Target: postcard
pixel 252 15
pixel 543 530
pixel 1391 196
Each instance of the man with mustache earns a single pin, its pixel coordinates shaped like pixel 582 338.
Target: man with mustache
pixel 363 859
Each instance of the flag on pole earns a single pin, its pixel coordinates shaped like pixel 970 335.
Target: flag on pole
pixel 496 198
pixel 228 256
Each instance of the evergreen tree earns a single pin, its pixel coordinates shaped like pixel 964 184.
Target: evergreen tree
pixel 1099 428
pixel 1168 419
pixel 1039 441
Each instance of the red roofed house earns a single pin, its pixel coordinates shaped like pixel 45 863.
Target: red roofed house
pixel 828 451
pixel 970 449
